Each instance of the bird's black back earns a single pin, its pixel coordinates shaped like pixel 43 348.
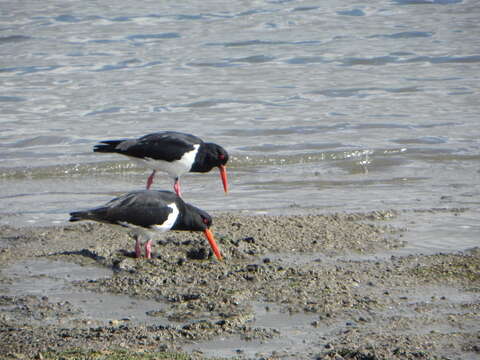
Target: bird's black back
pixel 142 208
pixel 165 145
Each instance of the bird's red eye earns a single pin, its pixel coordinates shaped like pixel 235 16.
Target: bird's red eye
pixel 205 221
pixel 221 156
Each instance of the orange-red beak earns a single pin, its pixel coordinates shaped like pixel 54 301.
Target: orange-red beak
pixel 213 244
pixel 223 175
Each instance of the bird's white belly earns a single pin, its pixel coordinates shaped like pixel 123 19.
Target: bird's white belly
pixel 167 224
pixel 175 168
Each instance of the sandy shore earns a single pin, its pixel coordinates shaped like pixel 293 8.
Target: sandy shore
pixel 307 278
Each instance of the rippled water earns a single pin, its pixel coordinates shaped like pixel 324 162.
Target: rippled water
pixel 333 105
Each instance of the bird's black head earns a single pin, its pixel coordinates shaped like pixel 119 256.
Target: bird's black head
pixel 194 219
pixel 215 155
pixel 206 219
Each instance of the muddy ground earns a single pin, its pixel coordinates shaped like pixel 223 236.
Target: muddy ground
pixel 294 287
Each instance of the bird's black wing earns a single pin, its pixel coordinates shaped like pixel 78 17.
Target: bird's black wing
pixel 141 208
pixel 167 145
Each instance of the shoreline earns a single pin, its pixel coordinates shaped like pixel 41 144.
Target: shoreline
pixel 301 272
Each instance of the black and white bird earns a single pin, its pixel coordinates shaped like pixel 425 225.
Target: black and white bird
pixel 173 152
pixel 151 210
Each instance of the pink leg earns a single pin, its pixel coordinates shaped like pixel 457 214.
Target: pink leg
pixel 138 248
pixel 176 187
pixel 148 249
pixel 150 180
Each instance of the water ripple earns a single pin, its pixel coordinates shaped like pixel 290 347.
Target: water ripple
pixel 363 92
pixel 212 64
pixel 380 60
pixel 217 102
pixel 306 8
pixel 22 70
pixel 128 64
pixel 313 129
pixel 446 59
pixel 11 99
pixel 427 2
pixel 41 140
pixel 189 17
pixel 384 60
pixel 353 12
pixel 249 132
pixel 292 147
pixel 255 59
pixel 404 35
pixel 67 18
pixel 422 140
pixel 111 110
pixel 13 39
pixel 307 60
pixel 262 42
pixel 169 35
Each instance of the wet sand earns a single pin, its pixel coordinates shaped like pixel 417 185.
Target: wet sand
pixel 295 287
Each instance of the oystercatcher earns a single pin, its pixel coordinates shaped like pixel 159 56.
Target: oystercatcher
pixel 149 210
pixel 173 152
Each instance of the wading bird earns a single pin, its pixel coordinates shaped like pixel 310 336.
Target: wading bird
pixel 148 211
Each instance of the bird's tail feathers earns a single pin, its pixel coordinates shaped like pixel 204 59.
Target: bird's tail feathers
pixel 108 146
pixel 78 215
pixel 95 214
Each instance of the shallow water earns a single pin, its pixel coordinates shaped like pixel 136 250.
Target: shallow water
pixel 53 279
pixel 297 333
pixel 336 106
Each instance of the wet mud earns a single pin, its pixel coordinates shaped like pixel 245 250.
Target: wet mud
pixel 290 287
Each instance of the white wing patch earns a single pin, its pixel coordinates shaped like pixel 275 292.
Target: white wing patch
pixel 175 168
pixel 172 217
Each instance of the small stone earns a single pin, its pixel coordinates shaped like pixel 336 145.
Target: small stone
pixel 190 297
pixel 252 268
pixel 198 254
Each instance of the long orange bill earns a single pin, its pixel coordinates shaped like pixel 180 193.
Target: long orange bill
pixel 223 175
pixel 213 244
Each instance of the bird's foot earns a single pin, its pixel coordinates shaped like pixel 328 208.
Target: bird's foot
pixel 148 249
pixel 150 180
pixel 138 248
pixel 176 187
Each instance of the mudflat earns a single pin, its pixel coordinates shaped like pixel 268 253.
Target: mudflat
pixel 290 287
